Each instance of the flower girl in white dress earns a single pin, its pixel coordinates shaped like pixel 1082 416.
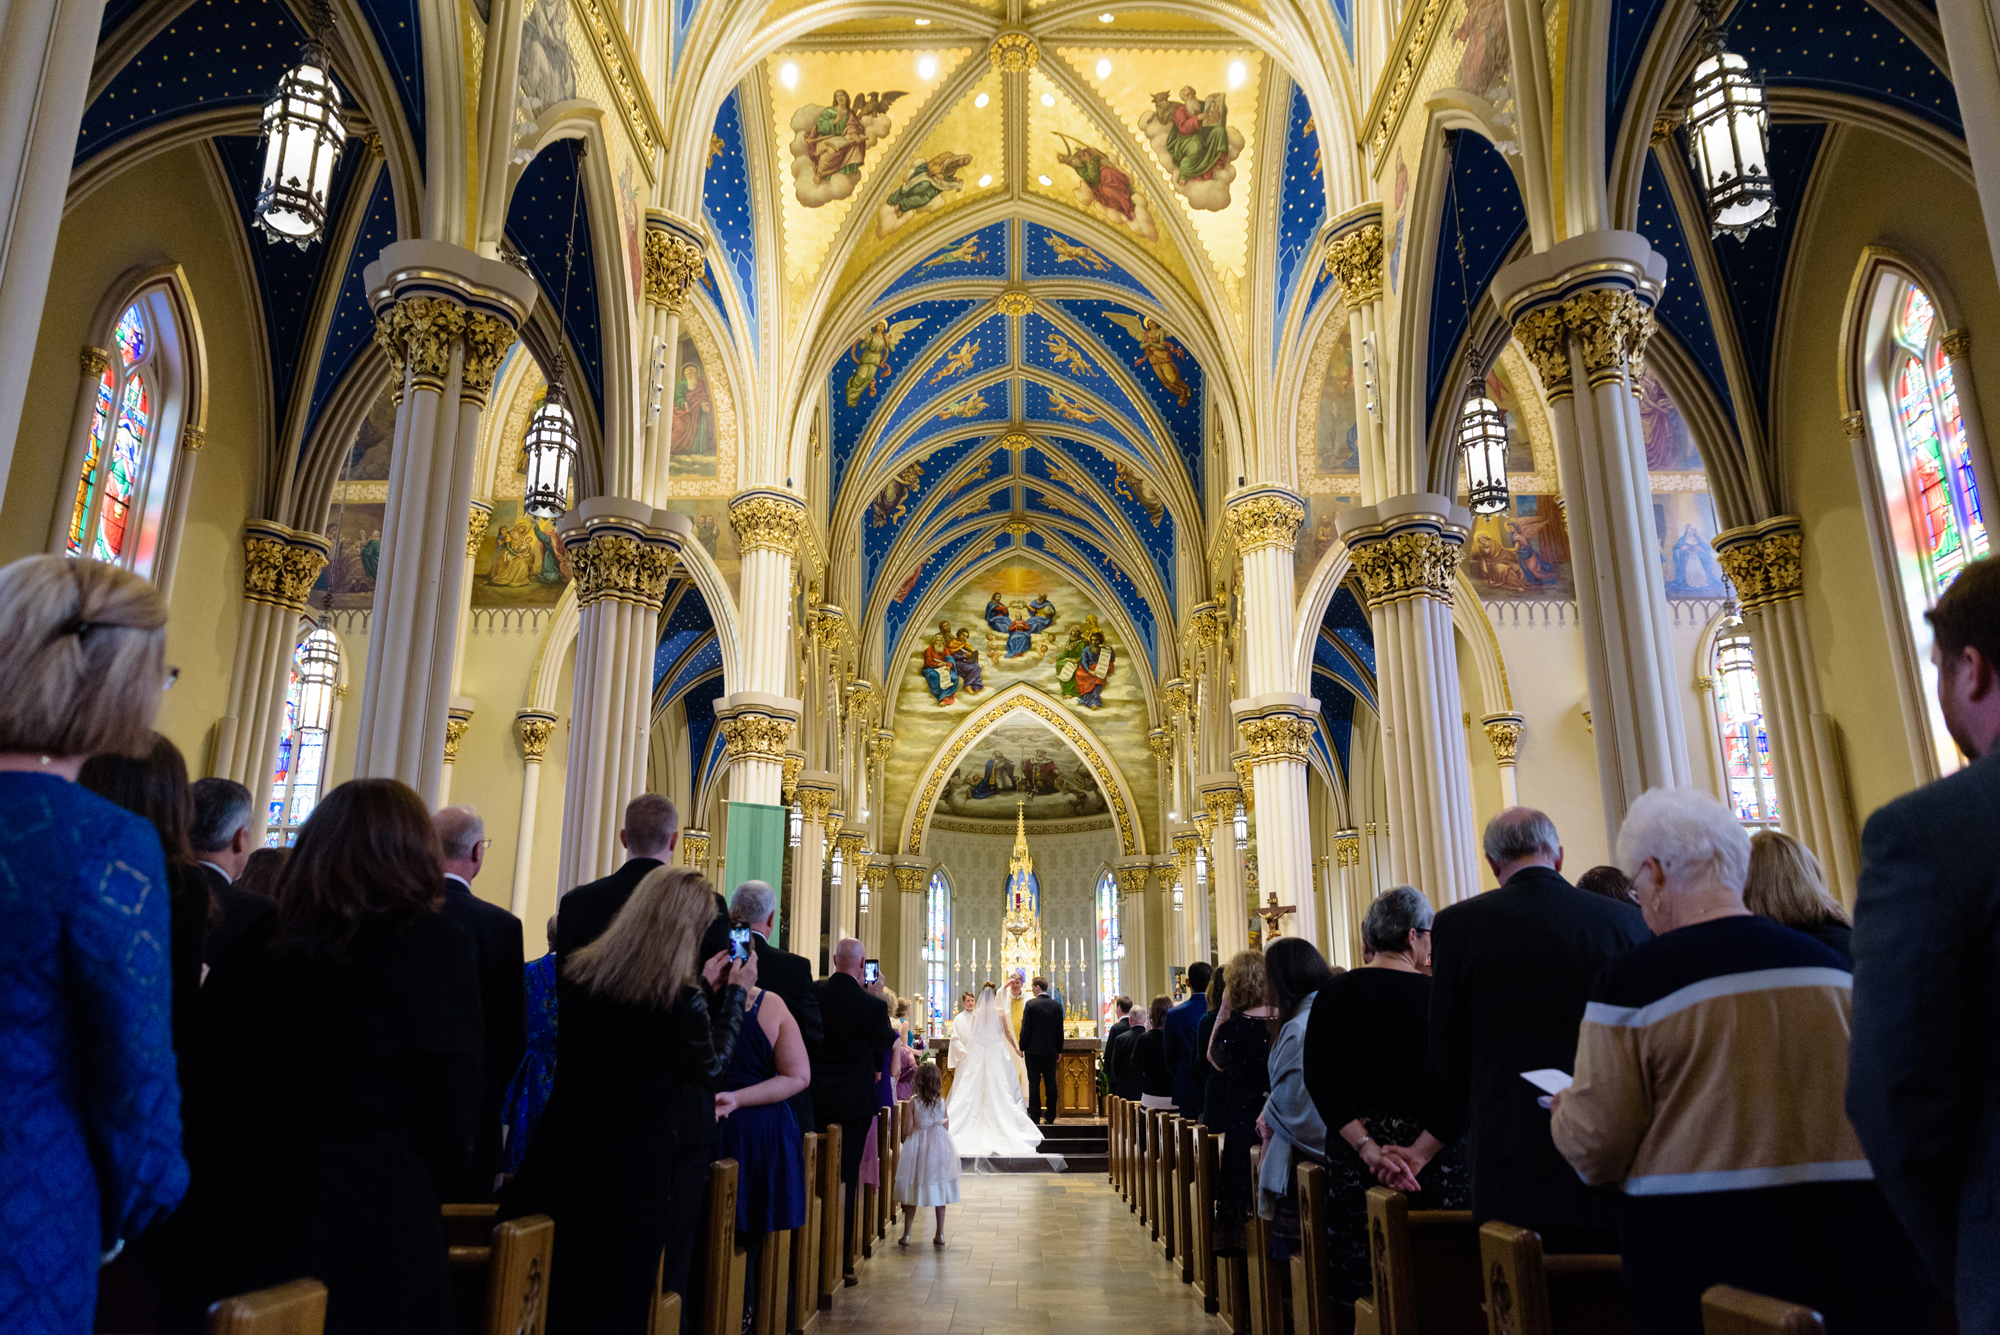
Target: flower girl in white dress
pixel 927 1170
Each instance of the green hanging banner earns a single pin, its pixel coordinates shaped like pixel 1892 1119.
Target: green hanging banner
pixel 756 848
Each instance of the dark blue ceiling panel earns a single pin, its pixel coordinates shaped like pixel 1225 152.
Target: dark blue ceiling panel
pixel 1845 46
pixel 1345 620
pixel 1486 203
pixel 538 223
pixel 700 699
pixel 980 254
pixel 1631 28
pixel 913 327
pixel 725 198
pixel 1682 309
pixel 1302 210
pixel 1753 269
pixel 353 323
pixel 1336 713
pixel 394 24
pixel 903 497
pixel 1047 253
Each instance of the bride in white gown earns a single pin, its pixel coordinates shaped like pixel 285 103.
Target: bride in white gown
pixel 986 1103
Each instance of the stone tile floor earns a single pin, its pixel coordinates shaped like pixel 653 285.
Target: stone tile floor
pixel 1027 1254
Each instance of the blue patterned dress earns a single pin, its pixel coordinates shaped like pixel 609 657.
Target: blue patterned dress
pixel 88 1092
pixel 529 1092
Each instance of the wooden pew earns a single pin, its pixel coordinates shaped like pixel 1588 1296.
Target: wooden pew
pixel 1728 1311
pixel 831 1248
pixel 499 1273
pixel 1312 1313
pixel 1528 1293
pixel 1187 1226
pixel 1426 1269
pixel 297 1308
pixel 802 1306
pixel 665 1318
pixel 774 1266
pixel 1207 1158
pixel 1170 1134
pixel 1149 1213
pixel 717 1278
pixel 1267 1278
pixel 1121 1149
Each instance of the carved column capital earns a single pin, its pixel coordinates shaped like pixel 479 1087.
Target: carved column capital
pixel 487 338
pixel 619 563
pixel 816 802
pixel 694 847
pixel 1221 804
pixel 673 267
pixel 1162 743
pixel 912 877
pixel 1132 878
pixel 535 728
pixel 1410 563
pixel 1503 732
pixel 1764 561
pixel 1610 326
pixel 94 361
pixel 456 725
pixel 418 334
pixel 757 736
pixel 788 783
pixel 280 565
pixel 1956 343
pixel 1267 517
pixel 767 519
pixel 1355 261
pixel 475 527
pixel 1176 692
pixel 1347 848
pixel 1544 338
pixel 193 438
pixel 1854 425
pixel 1277 735
pixel 1207 623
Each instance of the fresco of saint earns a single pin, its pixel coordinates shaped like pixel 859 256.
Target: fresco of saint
pixel 939 672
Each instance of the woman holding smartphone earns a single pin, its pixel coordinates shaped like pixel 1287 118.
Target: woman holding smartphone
pixel 758 1129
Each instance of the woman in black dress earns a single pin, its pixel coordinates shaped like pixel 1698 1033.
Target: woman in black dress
pixel 1208 1077
pixel 1367 1067
pixel 1239 1052
pixel 1156 1078
pixel 345 1084
pixel 634 1036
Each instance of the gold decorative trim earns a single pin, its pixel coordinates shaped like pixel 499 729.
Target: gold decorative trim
pixel 639 115
pixel 614 564
pixel 455 729
pixel 1347 850
pixel 1764 561
pixel 1355 261
pixel 535 731
pixel 1415 563
pixel 1504 734
pixel 954 826
pixel 911 878
pixel 1014 302
pixel 94 361
pixel 788 782
pixel 280 567
pixel 487 338
pixel 1132 880
pixel 1176 693
pixel 1410 50
pixel 1162 743
pixel 193 438
pixel 1266 519
pixel 1277 736
pixel 1854 424
pixel 694 847
pixel 764 520
pixel 1014 53
pixel 475 528
pixel 1545 341
pixel 673 267
pixel 757 736
pixel 1956 343
pixel 815 804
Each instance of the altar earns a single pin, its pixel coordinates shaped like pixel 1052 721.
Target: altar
pixel 1076 1075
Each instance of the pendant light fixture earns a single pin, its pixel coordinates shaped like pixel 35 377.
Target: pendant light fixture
pixel 1729 136
pixel 797 822
pixel 303 136
pixel 1178 895
pixel 862 882
pixel 551 443
pixel 1242 827
pixel 1482 445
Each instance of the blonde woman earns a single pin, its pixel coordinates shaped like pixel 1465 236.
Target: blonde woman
pixel 1787 886
pixel 638 1036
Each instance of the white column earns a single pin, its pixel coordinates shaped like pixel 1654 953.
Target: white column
pixel 534 726
pixel 280 566
pixel 1503 733
pixel 1353 247
pixel 815 795
pixel 912 881
pixel 1221 794
pixel 673 265
pixel 1347 877
pixel 446 317
pixel 1972 45
pixel 1139 982
pixel 458 722
pixel 846 895
pixel 1406 553
pixel 758 720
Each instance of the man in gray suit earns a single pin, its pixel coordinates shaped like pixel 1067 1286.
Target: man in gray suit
pixel 1923 1083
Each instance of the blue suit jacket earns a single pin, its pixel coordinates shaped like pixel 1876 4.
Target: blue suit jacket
pixel 1183 1022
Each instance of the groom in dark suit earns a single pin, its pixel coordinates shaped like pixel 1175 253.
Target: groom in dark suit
pixel 1923 1081
pixel 1041 1050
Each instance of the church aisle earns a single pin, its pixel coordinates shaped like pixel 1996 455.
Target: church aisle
pixel 1029 1254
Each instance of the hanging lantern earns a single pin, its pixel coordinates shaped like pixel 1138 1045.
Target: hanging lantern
pixel 864 885
pixel 1242 828
pixel 1729 139
pixel 303 135
pixel 797 823
pixel 1201 871
pixel 836 869
pixel 1177 895
pixel 551 447
pixel 1482 445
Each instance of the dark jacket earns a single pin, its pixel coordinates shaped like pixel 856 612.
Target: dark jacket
pixel 496 937
pixel 856 1031
pixel 1041 1027
pixel 584 913
pixel 1121 1062
pixel 1149 1055
pixel 239 909
pixel 790 976
pixel 1923 1078
pixel 1183 1023
pixel 1511 973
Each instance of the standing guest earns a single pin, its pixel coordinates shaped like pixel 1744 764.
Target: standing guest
pixel 91 1154
pixel 1214 1085
pixel 534 1080
pixel 888 1071
pixel 1512 971
pixel 1367 1064
pixel 1294 973
pixel 651 830
pixel 1708 1081
pixel 1183 1024
pixel 858 1032
pixel 900 1017
pixel 1610 882
pixel 1041 1049
pixel 496 934
pixel 224 840
pixel 1924 1088
pixel 927 1171
pixel 1149 1055
pixel 1123 1005
pixel 1121 1055
pixel 1239 1052
pixel 261 872
pixel 758 1129
pixel 1786 885
pixel 345 1091
pixel 755 905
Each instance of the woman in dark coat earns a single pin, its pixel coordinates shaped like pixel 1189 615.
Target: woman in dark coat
pixel 635 1038
pixel 1156 1078
pixel 1214 1084
pixel 345 1090
pixel 1239 1051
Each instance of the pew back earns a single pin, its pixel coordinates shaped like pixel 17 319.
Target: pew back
pixel 1729 1311
pixel 1426 1270
pixel 1528 1293
pixel 297 1308
pixel 517 1280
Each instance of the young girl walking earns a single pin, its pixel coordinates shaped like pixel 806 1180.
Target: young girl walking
pixel 927 1171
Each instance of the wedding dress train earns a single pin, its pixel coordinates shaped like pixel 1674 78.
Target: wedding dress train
pixel 986 1106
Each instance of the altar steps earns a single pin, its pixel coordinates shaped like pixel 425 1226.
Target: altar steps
pixel 1067 1147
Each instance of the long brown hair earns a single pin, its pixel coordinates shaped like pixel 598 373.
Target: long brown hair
pixel 155 785
pixel 647 954
pixel 930 1084
pixel 368 850
pixel 1786 884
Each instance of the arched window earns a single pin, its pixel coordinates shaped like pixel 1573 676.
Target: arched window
pixel 1110 951
pixel 304 751
pixel 937 952
pixel 1739 719
pixel 120 505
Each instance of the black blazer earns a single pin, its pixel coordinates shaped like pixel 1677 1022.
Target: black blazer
pixel 240 909
pixel 1923 1076
pixel 496 940
pixel 584 913
pixel 1121 1062
pixel 1511 972
pixel 790 976
pixel 1041 1027
pixel 857 1028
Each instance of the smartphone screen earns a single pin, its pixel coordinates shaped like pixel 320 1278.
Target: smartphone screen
pixel 871 971
pixel 739 943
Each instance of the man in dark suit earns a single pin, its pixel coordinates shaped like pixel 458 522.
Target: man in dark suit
pixel 223 841
pixel 496 936
pixel 1183 1022
pixel 755 905
pixel 1041 1050
pixel 1923 1080
pixel 1512 971
pixel 856 1034
pixel 1123 1005
pixel 652 828
pixel 1121 1054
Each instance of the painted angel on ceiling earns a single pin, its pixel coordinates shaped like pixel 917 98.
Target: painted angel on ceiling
pixel 830 144
pixel 927 186
pixel 1156 350
pixel 871 356
pixel 1196 145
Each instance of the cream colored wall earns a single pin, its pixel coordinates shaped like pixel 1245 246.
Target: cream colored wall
pixel 1542 646
pixel 163 211
pixel 1924 215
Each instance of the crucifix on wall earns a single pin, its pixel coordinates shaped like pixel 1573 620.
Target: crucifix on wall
pixel 1273 915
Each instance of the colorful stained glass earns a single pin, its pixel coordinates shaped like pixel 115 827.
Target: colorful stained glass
pixel 131 336
pixel 128 444
pixel 86 485
pixel 937 953
pixel 1952 429
pixel 308 719
pixel 1110 951
pixel 1746 745
pixel 124 431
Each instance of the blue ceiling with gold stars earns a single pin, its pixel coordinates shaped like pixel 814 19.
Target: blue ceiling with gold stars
pixel 1682 311
pixel 539 225
pixel 725 202
pixel 1343 672
pixel 1484 206
pixel 1302 213
pixel 353 324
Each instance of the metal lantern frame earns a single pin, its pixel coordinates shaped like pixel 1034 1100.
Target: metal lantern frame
pixel 1482 448
pixel 862 887
pixel 551 447
pixel 1242 820
pixel 795 822
pixel 303 138
pixel 1729 138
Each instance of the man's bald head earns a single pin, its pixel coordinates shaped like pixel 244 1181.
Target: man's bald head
pixel 847 956
pixel 463 836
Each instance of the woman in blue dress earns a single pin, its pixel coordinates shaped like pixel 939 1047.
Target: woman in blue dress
pixel 528 1094
pixel 758 1129
pixel 88 1091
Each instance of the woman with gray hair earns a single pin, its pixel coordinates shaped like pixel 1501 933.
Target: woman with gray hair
pixel 1389 1117
pixel 92 1153
pixel 1709 1077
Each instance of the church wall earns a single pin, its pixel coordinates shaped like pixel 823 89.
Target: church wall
pixel 1542 645
pixel 1486 800
pixel 159 212
pixel 1874 192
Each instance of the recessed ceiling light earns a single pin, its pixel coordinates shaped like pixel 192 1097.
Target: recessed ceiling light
pixel 1045 180
pixel 1103 69
pixel 923 23
pixel 1048 99
pixel 926 68
pixel 1237 74
pixel 985 181
pixel 1104 18
pixel 788 74
pixel 981 100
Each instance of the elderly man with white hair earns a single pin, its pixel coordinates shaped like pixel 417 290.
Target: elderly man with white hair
pixel 1709 1074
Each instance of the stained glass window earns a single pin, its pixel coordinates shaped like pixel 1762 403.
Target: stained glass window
pixel 300 773
pixel 937 953
pixel 86 489
pixel 119 492
pixel 1110 952
pixel 1746 746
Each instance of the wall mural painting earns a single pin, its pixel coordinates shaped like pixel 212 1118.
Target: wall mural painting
pixel 1522 553
pixel 926 188
pixel 548 71
pixel 628 212
pixel 691 449
pixel 1670 446
pixel 1684 522
pixel 1105 189
pixel 356 531
pixel 1021 762
pixel 1195 144
pixel 1396 239
pixel 368 457
pixel 1483 55
pixel 892 502
pixel 710 517
pixel 520 562
pixel 1316 535
pixel 870 355
pixel 830 143
pixel 1337 451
